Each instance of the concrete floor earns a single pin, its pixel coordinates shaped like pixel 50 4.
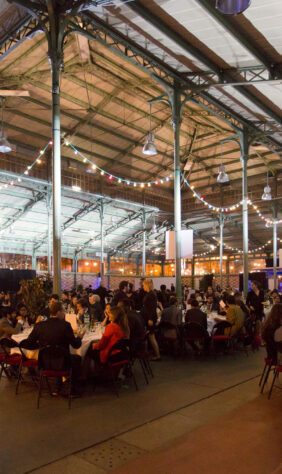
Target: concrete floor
pixel 102 433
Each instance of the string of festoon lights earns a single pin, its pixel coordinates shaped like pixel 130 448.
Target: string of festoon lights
pixel 267 220
pixel 234 249
pixel 156 182
pixel 38 160
pixel 113 177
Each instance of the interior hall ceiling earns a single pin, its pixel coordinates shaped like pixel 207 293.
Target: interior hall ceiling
pixel 234 65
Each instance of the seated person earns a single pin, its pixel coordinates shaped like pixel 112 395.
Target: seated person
pixel 22 314
pixel 239 302
pixel 195 315
pixel 234 316
pixel 136 325
pixel 57 331
pixel 99 351
pixel 212 305
pixel 53 299
pixel 271 329
pixel 72 309
pixel 95 308
pixel 9 323
pixel 107 311
pixel 172 315
pixel 65 300
pixel 198 296
pixel 82 312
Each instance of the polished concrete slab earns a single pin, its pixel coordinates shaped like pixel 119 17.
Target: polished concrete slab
pixel 32 438
pixel 246 440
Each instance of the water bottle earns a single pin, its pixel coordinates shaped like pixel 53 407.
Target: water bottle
pixel 87 320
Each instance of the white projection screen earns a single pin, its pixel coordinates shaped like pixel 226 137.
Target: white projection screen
pixel 186 244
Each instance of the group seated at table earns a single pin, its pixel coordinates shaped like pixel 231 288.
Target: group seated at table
pixel 144 316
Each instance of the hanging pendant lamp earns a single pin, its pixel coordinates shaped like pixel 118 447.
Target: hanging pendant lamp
pixel 232 7
pixel 222 177
pixel 267 191
pixel 149 146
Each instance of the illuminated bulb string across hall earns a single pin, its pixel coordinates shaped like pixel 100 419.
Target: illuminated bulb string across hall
pixel 156 182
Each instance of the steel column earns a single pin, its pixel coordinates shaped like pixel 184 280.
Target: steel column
pixel 227 272
pixel 49 211
pixel 275 255
pixel 49 231
pixel 55 55
pixel 176 123
pixel 244 145
pixel 75 270
pixel 101 210
pixel 144 244
pixel 221 227
pixel 193 272
pixel 275 234
pixel 33 260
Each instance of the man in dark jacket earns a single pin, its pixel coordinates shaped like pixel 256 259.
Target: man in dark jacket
pixel 140 295
pixel 195 315
pixel 121 294
pixel 56 331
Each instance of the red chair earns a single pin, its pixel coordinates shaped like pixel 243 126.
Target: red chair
pixel 218 334
pixel 7 359
pixel 119 357
pixel 168 342
pixel 268 366
pixel 26 363
pixel 192 333
pixel 277 370
pixel 54 362
pixel 2 365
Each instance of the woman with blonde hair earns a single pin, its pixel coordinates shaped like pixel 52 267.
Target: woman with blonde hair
pixel 149 314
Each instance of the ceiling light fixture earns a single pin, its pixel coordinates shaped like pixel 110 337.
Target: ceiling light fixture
pixel 232 7
pixel 222 177
pixel 149 146
pixel 5 146
pixel 267 191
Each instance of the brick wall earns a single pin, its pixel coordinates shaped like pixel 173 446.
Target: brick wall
pixel 112 282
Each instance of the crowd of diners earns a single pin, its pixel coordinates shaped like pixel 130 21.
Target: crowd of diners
pixel 142 316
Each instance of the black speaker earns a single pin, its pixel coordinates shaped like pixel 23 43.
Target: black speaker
pixel 269 262
pixel 260 277
pixel 206 281
pixel 10 279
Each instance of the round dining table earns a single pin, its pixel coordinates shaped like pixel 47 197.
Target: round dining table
pixel 90 336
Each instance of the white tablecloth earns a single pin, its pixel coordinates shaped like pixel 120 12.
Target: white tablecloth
pixel 85 343
pixel 213 319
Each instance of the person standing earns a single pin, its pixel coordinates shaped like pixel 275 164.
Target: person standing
pixel 140 295
pixel 254 301
pixel 149 314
